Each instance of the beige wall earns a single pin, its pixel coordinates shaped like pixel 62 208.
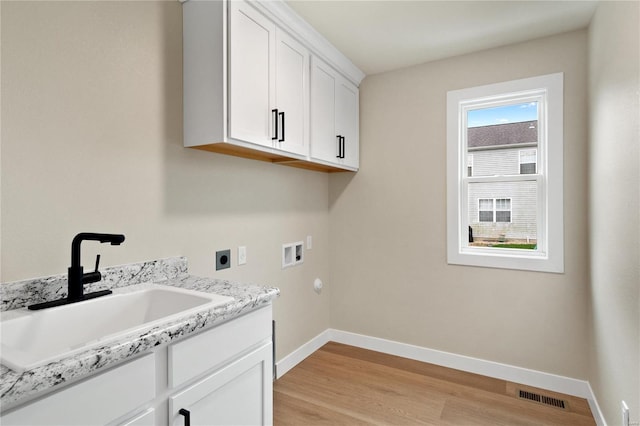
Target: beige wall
pixel 614 164
pixel 92 141
pixel 390 277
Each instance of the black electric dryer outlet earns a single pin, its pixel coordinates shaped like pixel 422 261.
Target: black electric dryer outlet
pixel 223 259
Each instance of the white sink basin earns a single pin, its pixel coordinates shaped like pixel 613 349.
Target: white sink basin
pixel 34 338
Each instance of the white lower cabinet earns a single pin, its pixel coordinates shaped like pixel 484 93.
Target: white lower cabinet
pixel 221 376
pixel 148 417
pixel 236 387
pixel 237 394
pixel 97 400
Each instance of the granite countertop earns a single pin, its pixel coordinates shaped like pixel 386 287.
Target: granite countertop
pixel 16 387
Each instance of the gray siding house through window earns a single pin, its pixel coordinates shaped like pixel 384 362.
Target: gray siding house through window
pixel 506 210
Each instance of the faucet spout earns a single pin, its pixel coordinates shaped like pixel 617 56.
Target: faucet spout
pixel 114 239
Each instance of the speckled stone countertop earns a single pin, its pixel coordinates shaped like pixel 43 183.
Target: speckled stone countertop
pixel 18 387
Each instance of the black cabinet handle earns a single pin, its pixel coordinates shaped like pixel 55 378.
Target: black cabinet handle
pixel 282 138
pixel 341 140
pixel 187 416
pixel 275 121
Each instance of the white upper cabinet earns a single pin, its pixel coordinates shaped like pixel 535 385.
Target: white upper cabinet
pixel 251 74
pixel 324 138
pixel 268 83
pixel 347 122
pixel 334 117
pixel 246 68
pixel 292 94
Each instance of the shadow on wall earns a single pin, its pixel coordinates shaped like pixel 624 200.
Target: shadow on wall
pixel 338 185
pixel 199 182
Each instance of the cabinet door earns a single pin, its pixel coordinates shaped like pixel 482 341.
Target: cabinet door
pixel 324 142
pixel 292 76
pixel 238 394
pixel 347 120
pixel 251 74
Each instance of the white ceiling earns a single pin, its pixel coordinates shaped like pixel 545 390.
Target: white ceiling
pixel 383 35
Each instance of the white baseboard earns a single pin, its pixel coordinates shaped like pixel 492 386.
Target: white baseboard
pixel 496 370
pixel 595 408
pixel 297 356
pixel 539 379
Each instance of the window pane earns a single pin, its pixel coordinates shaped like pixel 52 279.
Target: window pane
pixel 503 204
pixel 486 204
pixel 498 136
pixel 503 216
pixel 486 216
pixel 514 223
pixel 528 169
pixel 529 156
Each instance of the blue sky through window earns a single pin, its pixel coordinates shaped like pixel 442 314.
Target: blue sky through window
pixel 503 114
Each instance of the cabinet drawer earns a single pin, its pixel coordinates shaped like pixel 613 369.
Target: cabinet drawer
pixel 95 401
pixel 147 418
pixel 196 355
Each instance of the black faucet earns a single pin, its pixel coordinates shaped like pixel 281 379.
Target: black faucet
pixel 77 278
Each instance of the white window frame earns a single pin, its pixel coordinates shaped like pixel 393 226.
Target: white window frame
pixel 549 253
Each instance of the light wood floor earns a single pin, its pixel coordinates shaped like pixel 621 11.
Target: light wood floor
pixel 344 385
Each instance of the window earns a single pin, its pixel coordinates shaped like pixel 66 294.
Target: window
pixel 494 210
pixel 528 161
pixel 504 175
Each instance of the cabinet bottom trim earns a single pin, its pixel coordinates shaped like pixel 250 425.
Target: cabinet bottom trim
pixel 269 157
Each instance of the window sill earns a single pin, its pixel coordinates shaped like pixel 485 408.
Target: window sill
pixel 524 260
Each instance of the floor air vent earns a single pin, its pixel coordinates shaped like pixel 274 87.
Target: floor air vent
pixel 542 399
